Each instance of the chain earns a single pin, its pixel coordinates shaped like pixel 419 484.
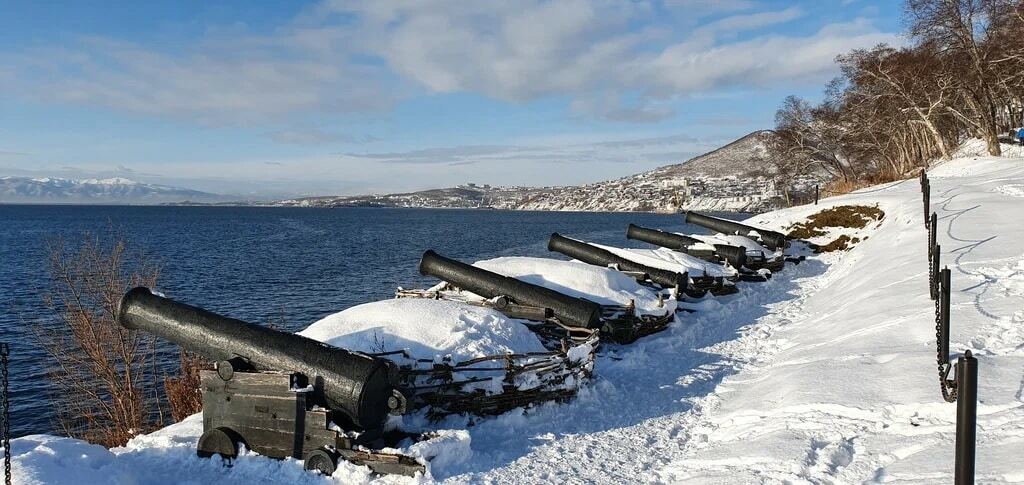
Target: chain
pixel 5 351
pixel 948 387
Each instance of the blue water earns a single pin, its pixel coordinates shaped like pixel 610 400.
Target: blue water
pixel 290 266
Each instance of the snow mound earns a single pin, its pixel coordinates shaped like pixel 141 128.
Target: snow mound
pixel 733 240
pixel 600 285
pixel 427 329
pixel 168 456
pixel 976 147
pixel 667 259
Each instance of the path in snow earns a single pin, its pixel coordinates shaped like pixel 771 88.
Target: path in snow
pixel 854 397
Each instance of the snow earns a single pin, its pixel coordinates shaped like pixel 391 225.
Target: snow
pixel 667 259
pixel 109 181
pixel 749 244
pixel 427 329
pixel 601 285
pixel 824 374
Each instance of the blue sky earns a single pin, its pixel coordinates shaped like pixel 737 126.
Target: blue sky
pixel 338 97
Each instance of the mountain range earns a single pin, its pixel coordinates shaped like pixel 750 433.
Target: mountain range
pixel 49 190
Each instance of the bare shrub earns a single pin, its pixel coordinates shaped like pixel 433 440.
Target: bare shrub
pixel 102 380
pixel 183 394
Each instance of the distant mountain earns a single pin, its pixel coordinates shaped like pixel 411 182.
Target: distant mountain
pixel 735 177
pixel 747 156
pixel 27 190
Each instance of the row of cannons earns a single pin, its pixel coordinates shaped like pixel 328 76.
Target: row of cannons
pixel 283 395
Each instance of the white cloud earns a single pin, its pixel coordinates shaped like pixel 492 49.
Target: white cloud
pixel 316 136
pixel 613 60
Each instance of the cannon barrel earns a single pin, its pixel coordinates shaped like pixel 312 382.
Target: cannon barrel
pixel 664 239
pixel 360 386
pixel 572 311
pixel 773 240
pixel 601 257
pixel 735 255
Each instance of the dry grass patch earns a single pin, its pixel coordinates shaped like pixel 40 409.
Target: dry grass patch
pixel 844 216
pixel 841 243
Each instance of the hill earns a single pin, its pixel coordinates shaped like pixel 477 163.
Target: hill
pixel 735 177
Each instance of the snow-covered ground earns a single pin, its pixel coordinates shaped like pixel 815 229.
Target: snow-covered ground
pixel 823 374
pixel 600 285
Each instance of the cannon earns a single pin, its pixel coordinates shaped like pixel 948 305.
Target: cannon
pixel 681 283
pixel 735 255
pixel 771 239
pixel 601 257
pixel 572 311
pixel 279 394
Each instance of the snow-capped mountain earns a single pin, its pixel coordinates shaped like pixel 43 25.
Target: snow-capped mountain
pixel 736 177
pixel 95 191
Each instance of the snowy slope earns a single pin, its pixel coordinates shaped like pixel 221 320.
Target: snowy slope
pixel 824 374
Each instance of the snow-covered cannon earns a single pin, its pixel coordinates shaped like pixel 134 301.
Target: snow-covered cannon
pixel 276 392
pixel 601 257
pixel 735 255
pixel 572 311
pixel 772 240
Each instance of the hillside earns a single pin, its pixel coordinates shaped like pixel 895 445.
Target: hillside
pixel 824 374
pixel 48 190
pixel 736 177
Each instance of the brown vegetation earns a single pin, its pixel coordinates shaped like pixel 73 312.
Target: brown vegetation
pixel 105 386
pixel 893 110
pixel 841 243
pixel 102 374
pixel 846 216
pixel 184 397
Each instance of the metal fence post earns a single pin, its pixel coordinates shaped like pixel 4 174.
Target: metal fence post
pixel 927 204
pixel 944 315
pixel 815 194
pixel 966 418
pixel 932 231
pixel 934 281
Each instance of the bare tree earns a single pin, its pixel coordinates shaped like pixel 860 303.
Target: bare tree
pixel 102 377
pixel 964 31
pixel 913 81
pixel 806 139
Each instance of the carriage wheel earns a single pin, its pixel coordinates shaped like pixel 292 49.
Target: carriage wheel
pixel 219 441
pixel 323 460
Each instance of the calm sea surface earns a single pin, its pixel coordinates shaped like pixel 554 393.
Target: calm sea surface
pixel 290 266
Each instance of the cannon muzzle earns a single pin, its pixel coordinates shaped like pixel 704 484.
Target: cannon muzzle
pixel 602 257
pixel 572 311
pixel 355 384
pixel 773 240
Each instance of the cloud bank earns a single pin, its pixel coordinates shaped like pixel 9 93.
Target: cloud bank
pixel 619 61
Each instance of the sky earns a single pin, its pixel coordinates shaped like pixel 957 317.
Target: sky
pixel 275 99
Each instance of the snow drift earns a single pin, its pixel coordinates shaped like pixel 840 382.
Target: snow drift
pixel 427 329
pixel 600 285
